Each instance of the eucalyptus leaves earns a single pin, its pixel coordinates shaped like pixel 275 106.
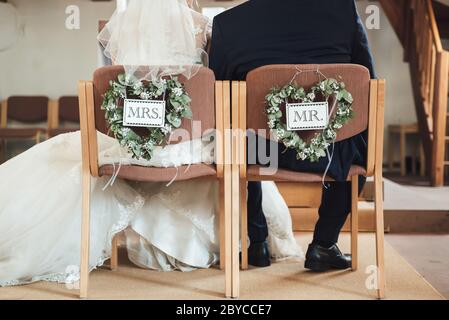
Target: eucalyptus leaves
pixel 316 149
pixel 177 108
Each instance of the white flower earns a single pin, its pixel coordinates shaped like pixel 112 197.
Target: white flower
pixel 125 131
pixel 149 145
pixel 302 155
pixel 145 96
pixel 178 92
pixel 311 96
pixel 280 132
pixel 338 125
pixel 128 79
pixel 166 129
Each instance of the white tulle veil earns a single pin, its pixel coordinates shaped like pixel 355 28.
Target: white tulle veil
pixel 157 34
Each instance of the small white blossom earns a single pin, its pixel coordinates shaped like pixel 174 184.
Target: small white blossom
pixel 338 125
pixel 280 133
pixel 145 96
pixel 302 156
pixel 125 131
pixel 178 92
pixel 311 96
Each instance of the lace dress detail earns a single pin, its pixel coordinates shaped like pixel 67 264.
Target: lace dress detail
pixel 40 232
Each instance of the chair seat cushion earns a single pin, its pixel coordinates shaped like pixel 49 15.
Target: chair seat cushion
pixel 293 176
pixel 19 133
pixel 152 174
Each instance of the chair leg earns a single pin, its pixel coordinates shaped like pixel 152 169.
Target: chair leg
pixel 244 224
pixel 414 164
pixel 2 150
pixel 222 224
pixel 403 152
pixel 227 261
pixel 422 160
pixel 85 235
pixel 354 221
pixel 37 139
pixel 114 253
pixel 390 153
pixel 379 236
pixel 235 234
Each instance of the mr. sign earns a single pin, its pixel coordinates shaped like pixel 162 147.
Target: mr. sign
pixel 307 116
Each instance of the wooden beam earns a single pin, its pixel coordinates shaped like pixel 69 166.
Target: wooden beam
pixel 440 117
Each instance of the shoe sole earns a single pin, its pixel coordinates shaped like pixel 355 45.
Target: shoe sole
pixel 260 264
pixel 321 267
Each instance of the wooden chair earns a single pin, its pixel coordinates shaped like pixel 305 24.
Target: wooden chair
pixel 65 116
pixel 210 105
pixel 29 112
pixel 248 114
pixel 405 130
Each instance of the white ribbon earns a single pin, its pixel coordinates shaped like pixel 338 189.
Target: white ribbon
pixel 331 155
pixel 115 171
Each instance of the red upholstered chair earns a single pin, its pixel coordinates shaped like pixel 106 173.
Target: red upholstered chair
pixel 210 105
pixel 65 117
pixel 29 112
pixel 248 114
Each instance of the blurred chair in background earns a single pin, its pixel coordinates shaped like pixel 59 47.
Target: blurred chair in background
pixel 64 116
pixel 404 131
pixel 23 117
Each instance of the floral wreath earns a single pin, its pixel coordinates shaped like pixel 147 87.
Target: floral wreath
pixel 291 93
pixel 127 86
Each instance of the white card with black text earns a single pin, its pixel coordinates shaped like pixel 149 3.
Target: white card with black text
pixel 144 113
pixel 307 116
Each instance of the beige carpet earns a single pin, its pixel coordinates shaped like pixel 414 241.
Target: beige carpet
pixel 285 280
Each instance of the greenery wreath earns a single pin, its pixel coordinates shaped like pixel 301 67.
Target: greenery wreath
pixel 177 108
pixel 277 99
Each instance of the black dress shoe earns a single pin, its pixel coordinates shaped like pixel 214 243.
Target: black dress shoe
pixel 258 254
pixel 320 259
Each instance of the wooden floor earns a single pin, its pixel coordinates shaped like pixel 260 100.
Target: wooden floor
pixel 284 280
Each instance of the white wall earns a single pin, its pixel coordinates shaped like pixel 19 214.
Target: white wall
pixel 389 57
pixel 49 59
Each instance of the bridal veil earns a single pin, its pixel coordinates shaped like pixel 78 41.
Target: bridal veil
pixel 157 34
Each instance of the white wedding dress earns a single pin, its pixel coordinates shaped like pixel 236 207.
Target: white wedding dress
pixel 167 228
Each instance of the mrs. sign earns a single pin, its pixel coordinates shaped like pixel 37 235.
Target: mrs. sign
pixel 144 113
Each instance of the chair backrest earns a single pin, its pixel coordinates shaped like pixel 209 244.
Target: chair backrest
pixel 68 109
pixel 28 109
pixel 260 81
pixel 201 89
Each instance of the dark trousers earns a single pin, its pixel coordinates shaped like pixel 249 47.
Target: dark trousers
pixel 334 209
pixel 336 198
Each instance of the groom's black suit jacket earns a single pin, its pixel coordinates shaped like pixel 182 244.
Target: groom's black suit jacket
pixel 264 32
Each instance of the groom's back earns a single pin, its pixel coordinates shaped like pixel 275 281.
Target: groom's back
pixel 263 32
